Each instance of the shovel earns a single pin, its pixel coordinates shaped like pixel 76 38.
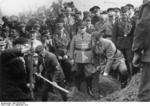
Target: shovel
pixel 52 83
pixel 73 95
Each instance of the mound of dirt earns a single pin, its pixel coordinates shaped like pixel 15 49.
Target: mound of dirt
pixel 102 86
pixel 127 94
pixel 76 95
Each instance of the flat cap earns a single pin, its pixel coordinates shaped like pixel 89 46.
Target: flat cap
pixel 130 5
pixel 110 9
pixel 32 31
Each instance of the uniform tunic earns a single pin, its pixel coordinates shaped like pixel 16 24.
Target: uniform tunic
pixel 106 55
pixel 80 48
pixel 141 44
pixel 61 43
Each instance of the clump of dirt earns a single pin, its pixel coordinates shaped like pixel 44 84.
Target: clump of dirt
pixel 76 95
pixel 127 94
pixel 102 86
pixel 108 85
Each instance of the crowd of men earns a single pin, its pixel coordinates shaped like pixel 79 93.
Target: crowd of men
pixel 67 50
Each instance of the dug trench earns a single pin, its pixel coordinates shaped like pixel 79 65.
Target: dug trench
pixel 104 89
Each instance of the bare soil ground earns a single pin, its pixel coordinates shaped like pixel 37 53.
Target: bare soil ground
pixel 104 90
pixel 127 94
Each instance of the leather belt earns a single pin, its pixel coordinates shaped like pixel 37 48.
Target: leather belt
pixel 80 49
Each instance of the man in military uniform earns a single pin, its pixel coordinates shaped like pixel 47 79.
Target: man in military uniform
pixel 86 14
pixel 13 34
pixel 109 24
pixel 130 9
pixel 117 13
pixel 22 30
pixel 37 28
pixel 6 37
pixel 69 22
pixel 123 38
pixel 96 13
pixel 108 58
pixel 90 27
pixel 33 35
pixel 141 48
pixel 81 54
pixel 61 41
pixel 78 19
pixel 51 22
pixel 50 68
pixel 47 41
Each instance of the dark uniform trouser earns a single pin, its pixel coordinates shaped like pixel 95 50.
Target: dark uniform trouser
pixel 128 54
pixel 66 65
pixel 49 88
pixel 144 90
pixel 80 76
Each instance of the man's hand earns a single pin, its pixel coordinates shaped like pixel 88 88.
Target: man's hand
pixel 60 58
pixel 98 68
pixel 136 60
pixel 30 85
pixel 72 61
pixel 105 74
pixel 54 83
pixel 65 57
pixel 25 48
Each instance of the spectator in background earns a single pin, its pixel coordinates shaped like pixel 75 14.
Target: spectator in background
pixel 96 12
pixel 86 14
pixel 130 9
pixel 141 48
pixel 90 27
pixel 117 13
pixel 109 24
pixel 123 37
pixel 69 23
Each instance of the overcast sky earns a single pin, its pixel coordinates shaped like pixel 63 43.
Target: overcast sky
pixel 10 7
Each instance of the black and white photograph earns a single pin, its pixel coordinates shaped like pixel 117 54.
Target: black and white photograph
pixel 74 51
